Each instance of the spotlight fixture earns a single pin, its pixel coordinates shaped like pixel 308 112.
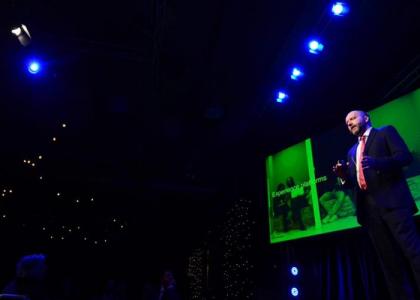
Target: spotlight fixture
pixel 34 67
pixel 315 47
pixel 339 9
pixel 297 73
pixel 294 271
pixel 281 97
pixel 23 35
pixel 294 291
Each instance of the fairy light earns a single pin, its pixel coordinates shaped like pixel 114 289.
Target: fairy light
pixel 55 232
pixel 196 272
pixel 237 242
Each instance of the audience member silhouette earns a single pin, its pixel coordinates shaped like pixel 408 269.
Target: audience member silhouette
pixel 165 291
pixel 30 278
pixel 168 289
pixel 115 290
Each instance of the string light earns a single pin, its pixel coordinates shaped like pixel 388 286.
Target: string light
pixel 58 232
pixel 196 272
pixel 237 242
pixel 236 237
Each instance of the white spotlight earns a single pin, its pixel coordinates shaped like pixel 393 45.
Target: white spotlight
pixel 315 47
pixel 23 35
pixel 339 9
pixel 296 73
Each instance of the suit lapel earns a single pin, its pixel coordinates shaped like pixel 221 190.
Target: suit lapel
pixel 353 152
pixel 371 137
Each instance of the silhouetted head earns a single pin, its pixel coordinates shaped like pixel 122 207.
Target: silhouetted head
pixel 290 181
pixel 280 187
pixel 32 267
pixel 167 279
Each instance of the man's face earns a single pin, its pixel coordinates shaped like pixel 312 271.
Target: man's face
pixel 357 122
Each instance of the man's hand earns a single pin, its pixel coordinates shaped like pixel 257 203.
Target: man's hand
pixel 369 162
pixel 340 169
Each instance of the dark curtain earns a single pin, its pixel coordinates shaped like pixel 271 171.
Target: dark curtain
pixel 338 266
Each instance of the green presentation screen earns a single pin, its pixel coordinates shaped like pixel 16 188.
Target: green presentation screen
pixel 304 197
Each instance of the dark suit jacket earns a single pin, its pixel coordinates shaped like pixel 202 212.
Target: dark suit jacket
pixel 386 182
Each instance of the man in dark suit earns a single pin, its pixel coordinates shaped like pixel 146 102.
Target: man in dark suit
pixel 384 204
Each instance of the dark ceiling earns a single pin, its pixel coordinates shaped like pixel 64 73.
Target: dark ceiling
pixel 170 104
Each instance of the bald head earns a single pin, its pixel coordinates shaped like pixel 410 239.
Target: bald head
pixel 357 122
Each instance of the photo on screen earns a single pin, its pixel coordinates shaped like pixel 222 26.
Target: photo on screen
pixel 304 196
pixel 291 192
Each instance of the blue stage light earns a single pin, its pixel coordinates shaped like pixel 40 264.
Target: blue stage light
pixel 294 291
pixel 339 9
pixel 294 271
pixel 296 73
pixel 282 96
pixel 34 67
pixel 315 47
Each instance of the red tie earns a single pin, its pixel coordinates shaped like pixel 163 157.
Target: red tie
pixel 360 174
